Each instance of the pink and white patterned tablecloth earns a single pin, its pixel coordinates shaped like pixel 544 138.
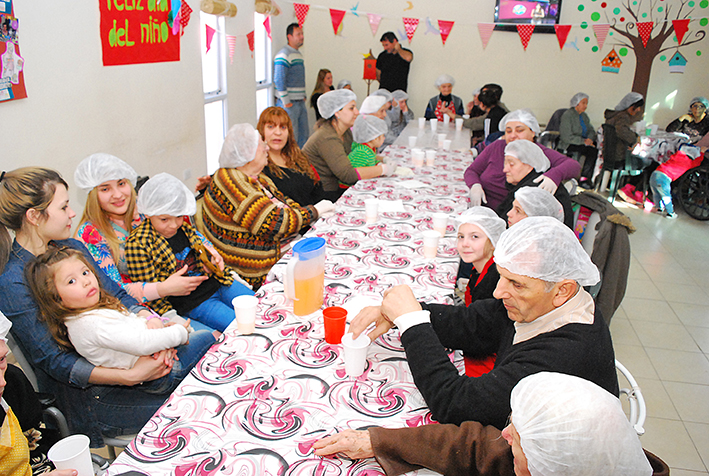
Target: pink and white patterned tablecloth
pixel 255 404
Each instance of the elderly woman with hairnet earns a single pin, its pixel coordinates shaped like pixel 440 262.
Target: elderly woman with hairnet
pixel 560 425
pixel 577 134
pixel 485 175
pixel 328 147
pixel 445 103
pixel 524 163
pixel 695 123
pixel 534 202
pixel 244 215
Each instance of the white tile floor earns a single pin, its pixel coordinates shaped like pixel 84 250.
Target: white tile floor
pixel 661 334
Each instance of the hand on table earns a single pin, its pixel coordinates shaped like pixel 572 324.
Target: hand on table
pixel 388 169
pixel 354 444
pixel 324 207
pixel 366 317
pixel 398 300
pixel 477 195
pixel 545 183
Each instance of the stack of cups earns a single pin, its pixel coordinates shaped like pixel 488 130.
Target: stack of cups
pixel 355 353
pixel 245 307
pixel 434 125
pixel 422 122
pixel 430 243
pixel 459 124
pixel 412 141
pixel 430 157
pixel 441 138
pixel 418 155
pixel 371 209
pixel 446 119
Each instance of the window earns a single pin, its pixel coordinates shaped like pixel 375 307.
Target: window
pixel 263 65
pixel 214 88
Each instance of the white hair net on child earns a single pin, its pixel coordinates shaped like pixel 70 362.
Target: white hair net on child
pixel 5 326
pixel 627 101
pixel 578 97
pixel 569 426
pixel 546 249
pixel 164 194
pixel 444 79
pixel 384 93
pixel 691 151
pixel 332 101
pixel 343 83
pixel 525 116
pixel 368 128
pixel 485 219
pixel 528 153
pixel 372 104
pixel 239 146
pixel 399 95
pixel 537 202
pixel 99 168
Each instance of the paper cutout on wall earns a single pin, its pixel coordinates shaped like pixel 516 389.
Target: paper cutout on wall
pixel 525 33
pixel 644 30
pixel 210 36
pixel 301 11
pixel 185 14
pixel 6 6
pixel 601 31
pixel 250 40
pixel 562 33
pixel 678 63
pixel 336 16
pixel 374 21
pixel 267 26
pixel 611 63
pixel 353 10
pixel 176 24
pixel 430 28
pixel 231 42
pixel 445 27
pixel 485 30
pixel 681 27
pixel 410 25
pixel 172 17
pixel 12 75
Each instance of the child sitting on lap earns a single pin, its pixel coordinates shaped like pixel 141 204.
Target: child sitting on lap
pixel 368 134
pixel 165 243
pixel 688 156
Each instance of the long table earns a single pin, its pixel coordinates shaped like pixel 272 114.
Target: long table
pixel 427 139
pixel 255 404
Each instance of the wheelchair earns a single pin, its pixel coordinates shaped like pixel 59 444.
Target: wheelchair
pixel 693 191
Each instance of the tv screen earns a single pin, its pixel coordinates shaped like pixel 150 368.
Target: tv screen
pixel 543 14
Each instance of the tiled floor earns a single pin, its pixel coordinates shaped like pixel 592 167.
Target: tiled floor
pixel 661 334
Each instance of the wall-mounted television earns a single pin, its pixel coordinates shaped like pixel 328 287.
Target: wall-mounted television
pixel 544 14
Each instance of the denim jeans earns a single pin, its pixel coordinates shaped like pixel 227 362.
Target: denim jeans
pixel 217 311
pixel 661 186
pixel 298 114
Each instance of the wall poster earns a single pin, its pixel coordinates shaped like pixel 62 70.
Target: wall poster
pixel 12 77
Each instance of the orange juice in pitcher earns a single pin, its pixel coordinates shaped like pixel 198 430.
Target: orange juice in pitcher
pixel 305 276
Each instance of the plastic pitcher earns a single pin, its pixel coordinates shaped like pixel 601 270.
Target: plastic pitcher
pixel 305 276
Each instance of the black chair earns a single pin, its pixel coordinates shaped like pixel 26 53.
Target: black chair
pixel 618 167
pixel 555 121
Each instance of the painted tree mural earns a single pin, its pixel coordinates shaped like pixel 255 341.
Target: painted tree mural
pixel 647 28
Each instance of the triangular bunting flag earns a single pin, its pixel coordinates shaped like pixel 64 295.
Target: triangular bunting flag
pixel 445 27
pixel 267 26
pixel 210 36
pixel 485 30
pixel 250 40
pixel 231 41
pixel 644 30
pixel 336 16
pixel 185 13
pixel 601 31
pixel 301 11
pixel 681 27
pixel 176 23
pixel 525 33
pixel 374 20
pixel 562 33
pixel 410 25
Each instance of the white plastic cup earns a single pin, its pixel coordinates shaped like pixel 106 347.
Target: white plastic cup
pixel 355 353
pixel 655 128
pixel 441 138
pixel 72 452
pixel 434 124
pixel 371 209
pixel 430 243
pixel 447 144
pixel 458 123
pixel 446 119
pixel 466 116
pixel 412 141
pixel 245 310
pixel 422 122
pixel 417 156
pixel 430 157
pixel 440 222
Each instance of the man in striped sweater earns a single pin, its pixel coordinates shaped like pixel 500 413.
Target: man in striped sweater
pixel 289 79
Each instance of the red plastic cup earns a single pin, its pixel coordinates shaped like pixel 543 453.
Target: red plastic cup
pixel 335 319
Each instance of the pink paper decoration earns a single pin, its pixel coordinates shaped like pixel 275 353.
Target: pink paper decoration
pixel 336 16
pixel 410 25
pixel 485 30
pixel 645 29
pixel 301 11
pixel 601 31
pixel 374 20
pixel 231 41
pixel 210 36
pixel 525 33
pixel 681 27
pixel 250 40
pixel 185 13
pixel 562 33
pixel 176 23
pixel 267 26
pixel 445 28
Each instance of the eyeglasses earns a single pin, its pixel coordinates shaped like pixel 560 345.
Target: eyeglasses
pixel 698 106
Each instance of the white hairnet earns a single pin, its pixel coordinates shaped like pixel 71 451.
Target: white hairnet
pixel 528 153
pixel 332 101
pixel 699 99
pixel 537 202
pixel 525 116
pixel 384 93
pixel 485 219
pixel 628 100
pixel 239 146
pixel 99 168
pixel 5 326
pixel 368 128
pixel 343 83
pixel 399 95
pixel 691 151
pixel 578 97
pixel 546 249
pixel 372 104
pixel 476 92
pixel 444 79
pixel 570 426
pixel 166 195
